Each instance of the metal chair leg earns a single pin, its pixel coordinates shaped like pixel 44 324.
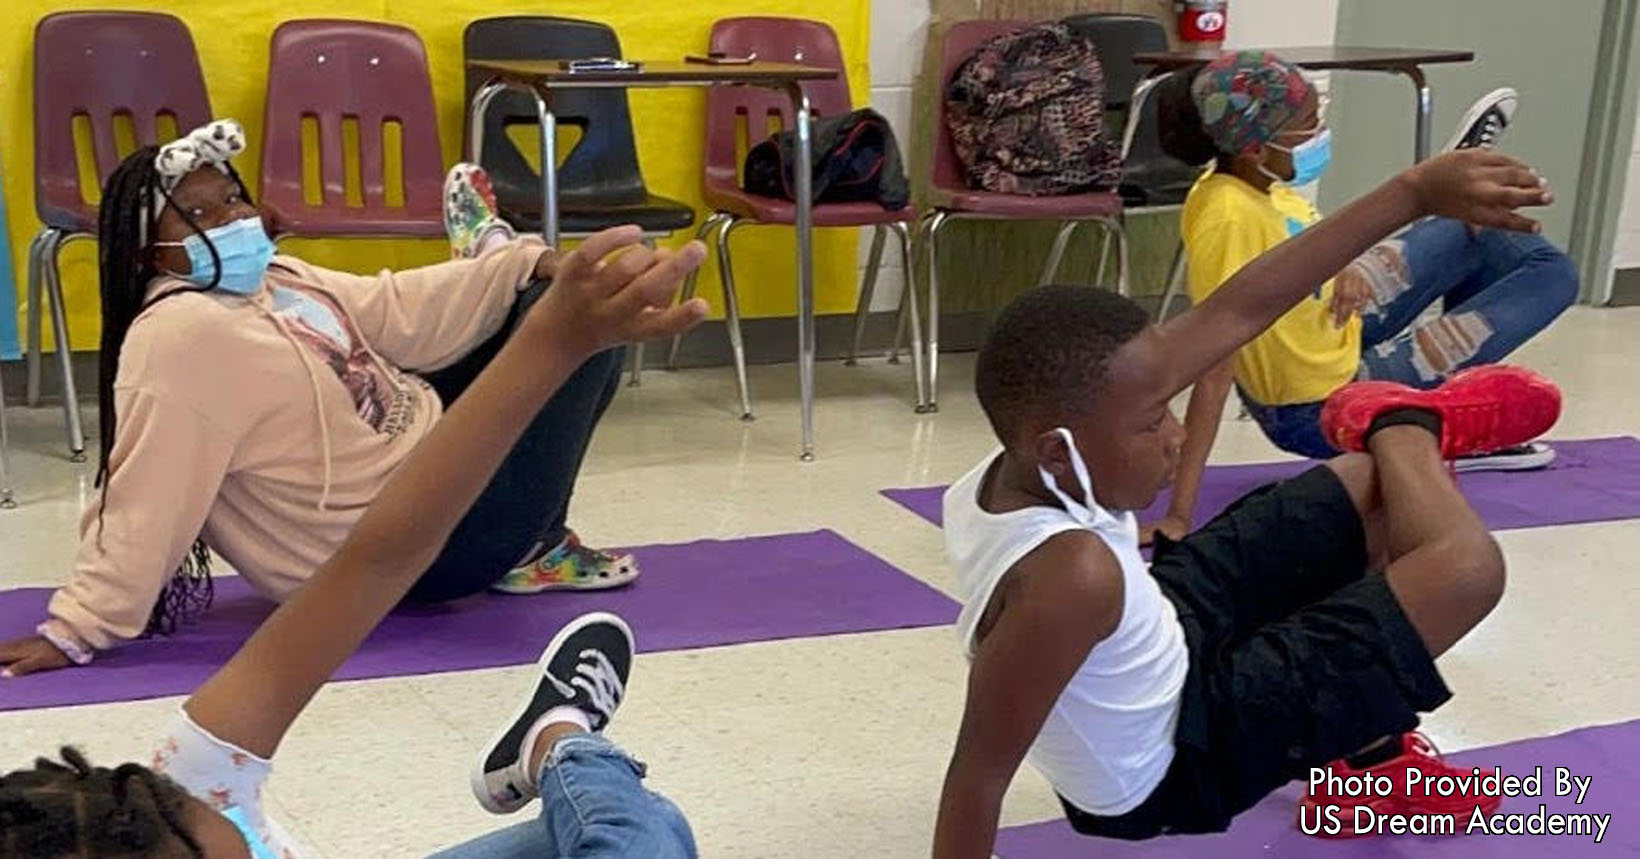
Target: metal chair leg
pixel 637 348
pixel 1104 254
pixel 36 294
pixel 1057 254
pixel 1175 281
pixel 868 290
pixel 635 377
pixel 1114 225
pixel 704 230
pixel 900 320
pixel 7 501
pixel 932 227
pixel 914 317
pixel 731 308
pixel 65 355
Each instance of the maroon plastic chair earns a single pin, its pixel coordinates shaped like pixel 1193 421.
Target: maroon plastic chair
pixel 96 65
pixel 952 199
pixel 370 73
pixel 784 40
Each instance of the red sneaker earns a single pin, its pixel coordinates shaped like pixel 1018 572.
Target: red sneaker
pixel 1482 409
pixel 1416 752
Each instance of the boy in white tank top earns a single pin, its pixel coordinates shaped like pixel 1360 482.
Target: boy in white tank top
pixel 1297 628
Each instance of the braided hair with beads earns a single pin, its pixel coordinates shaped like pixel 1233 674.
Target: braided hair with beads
pixel 127 221
pixel 70 808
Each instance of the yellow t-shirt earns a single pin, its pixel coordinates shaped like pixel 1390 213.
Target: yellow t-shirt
pixel 1302 357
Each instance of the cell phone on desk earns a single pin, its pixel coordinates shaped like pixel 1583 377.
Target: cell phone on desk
pixel 599 64
pixel 719 58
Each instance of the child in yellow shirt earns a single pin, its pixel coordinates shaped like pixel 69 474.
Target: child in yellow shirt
pixel 1257 120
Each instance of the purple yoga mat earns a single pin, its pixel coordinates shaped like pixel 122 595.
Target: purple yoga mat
pixel 1608 755
pixel 1593 480
pixel 702 594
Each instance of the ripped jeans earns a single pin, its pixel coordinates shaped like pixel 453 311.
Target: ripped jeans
pixel 593 806
pixel 1497 289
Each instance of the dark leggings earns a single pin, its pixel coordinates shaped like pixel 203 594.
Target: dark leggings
pixel 525 504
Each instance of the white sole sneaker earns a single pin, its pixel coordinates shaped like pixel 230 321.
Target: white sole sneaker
pixel 494 776
pixel 1523 458
pixel 470 214
pixel 621 571
pixel 1503 99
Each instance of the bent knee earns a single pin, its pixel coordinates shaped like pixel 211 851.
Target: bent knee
pixel 1359 476
pixel 1554 277
pixel 1476 570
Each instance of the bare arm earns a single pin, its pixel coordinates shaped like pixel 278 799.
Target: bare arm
pixel 1060 600
pixel 1475 185
pixel 1201 429
pixel 253 699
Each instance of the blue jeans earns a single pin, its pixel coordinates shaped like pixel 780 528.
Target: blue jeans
pixel 527 501
pixel 1497 288
pixel 593 804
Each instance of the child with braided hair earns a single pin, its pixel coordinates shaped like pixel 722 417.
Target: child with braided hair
pixel 256 403
pixel 73 807
pixel 202 796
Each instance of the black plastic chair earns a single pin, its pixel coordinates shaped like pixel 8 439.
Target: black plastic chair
pixel 599 182
pixel 1153 182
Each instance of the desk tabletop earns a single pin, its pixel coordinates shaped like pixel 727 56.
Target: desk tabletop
pixel 552 74
pixel 1318 57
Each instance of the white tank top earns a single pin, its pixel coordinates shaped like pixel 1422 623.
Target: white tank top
pixel 1108 740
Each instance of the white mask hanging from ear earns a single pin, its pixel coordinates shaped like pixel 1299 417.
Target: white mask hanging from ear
pixel 1086 511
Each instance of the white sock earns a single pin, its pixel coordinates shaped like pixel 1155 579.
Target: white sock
pixel 566 714
pixel 495 235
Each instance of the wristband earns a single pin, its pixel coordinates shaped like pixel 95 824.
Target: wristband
pixel 71 649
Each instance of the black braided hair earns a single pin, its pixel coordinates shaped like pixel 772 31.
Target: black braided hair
pixel 1179 123
pixel 72 809
pixel 127 222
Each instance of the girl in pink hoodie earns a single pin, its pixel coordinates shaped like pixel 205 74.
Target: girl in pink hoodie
pixel 202 793
pixel 254 405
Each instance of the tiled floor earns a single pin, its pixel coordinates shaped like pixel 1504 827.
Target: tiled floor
pixel 831 746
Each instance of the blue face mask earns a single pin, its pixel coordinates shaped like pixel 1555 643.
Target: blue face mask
pixel 253 841
pixel 1310 158
pixel 244 248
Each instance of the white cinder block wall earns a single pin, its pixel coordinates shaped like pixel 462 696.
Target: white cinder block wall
pixel 1626 251
pixel 1281 23
pixel 899 28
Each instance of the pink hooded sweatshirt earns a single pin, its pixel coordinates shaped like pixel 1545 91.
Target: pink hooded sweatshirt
pixel 264 429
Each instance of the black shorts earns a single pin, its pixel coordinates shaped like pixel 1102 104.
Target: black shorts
pixel 1298 656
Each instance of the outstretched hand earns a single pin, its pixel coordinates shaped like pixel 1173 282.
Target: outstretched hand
pixel 1481 186
pixel 29 655
pixel 613 290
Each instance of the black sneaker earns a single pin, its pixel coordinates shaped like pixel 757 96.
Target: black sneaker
pixel 1521 457
pixel 585 666
pixel 1485 121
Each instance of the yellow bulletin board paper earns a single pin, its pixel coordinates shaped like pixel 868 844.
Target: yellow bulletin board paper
pixel 232 40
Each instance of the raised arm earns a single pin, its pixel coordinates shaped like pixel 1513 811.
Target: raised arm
pixel 595 303
pixel 1058 602
pixel 1480 186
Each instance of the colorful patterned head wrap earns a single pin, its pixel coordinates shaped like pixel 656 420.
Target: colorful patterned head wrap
pixel 1245 98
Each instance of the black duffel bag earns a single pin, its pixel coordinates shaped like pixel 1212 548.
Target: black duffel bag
pixel 855 159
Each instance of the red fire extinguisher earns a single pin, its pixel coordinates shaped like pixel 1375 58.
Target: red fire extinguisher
pixel 1203 20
